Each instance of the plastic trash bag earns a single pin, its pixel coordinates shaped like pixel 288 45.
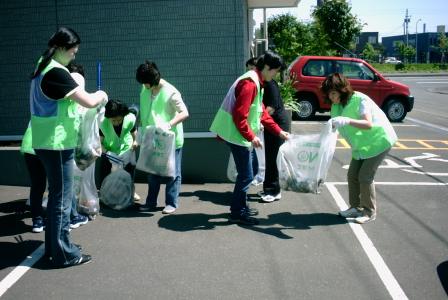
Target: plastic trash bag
pixel 88 148
pixel 232 173
pixel 117 190
pixel 260 153
pixel 85 191
pixel 303 160
pixel 157 152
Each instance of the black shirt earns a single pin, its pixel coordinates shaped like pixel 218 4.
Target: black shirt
pixel 57 83
pixel 273 99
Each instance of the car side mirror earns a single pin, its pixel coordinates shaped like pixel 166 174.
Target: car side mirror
pixel 376 77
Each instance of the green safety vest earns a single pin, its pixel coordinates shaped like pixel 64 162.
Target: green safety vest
pixel 155 110
pixel 27 142
pixel 223 124
pixel 114 143
pixel 53 121
pixel 365 143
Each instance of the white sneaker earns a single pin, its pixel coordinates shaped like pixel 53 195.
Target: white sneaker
pixel 136 197
pixel 168 209
pixel 351 213
pixel 365 219
pixel 257 181
pixel 271 198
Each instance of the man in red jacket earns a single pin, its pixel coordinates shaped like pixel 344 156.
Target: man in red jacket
pixel 239 120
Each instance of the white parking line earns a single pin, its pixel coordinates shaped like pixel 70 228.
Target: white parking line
pixel 386 276
pixel 21 269
pixel 428 124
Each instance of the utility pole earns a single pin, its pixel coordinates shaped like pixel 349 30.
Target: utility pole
pixel 407 19
pixel 416 37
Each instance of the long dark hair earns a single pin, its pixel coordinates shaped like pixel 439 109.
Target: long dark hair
pixel 63 38
pixel 337 82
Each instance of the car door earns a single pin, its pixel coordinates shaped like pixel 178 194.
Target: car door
pixel 362 79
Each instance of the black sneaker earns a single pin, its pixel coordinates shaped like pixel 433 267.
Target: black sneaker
pixel 78 221
pixel 251 212
pixel 144 208
pixel 38 225
pixel 243 220
pixel 84 259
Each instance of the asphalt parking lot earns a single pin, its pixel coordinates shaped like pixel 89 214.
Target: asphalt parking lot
pixel 300 250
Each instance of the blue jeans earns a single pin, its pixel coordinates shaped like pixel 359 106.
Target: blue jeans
pixel 172 184
pixel 243 161
pixel 59 168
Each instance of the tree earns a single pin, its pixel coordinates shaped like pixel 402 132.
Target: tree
pixel 370 53
pixel 443 46
pixel 338 23
pixel 407 52
pixel 290 38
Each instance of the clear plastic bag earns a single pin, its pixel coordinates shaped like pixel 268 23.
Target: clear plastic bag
pixel 88 148
pixel 303 160
pixel 232 173
pixel 117 190
pixel 85 191
pixel 157 152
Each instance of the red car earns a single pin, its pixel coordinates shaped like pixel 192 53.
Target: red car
pixel 393 97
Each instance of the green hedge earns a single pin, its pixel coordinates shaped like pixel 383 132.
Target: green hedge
pixel 418 68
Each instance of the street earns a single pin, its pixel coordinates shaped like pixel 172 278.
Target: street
pixel 301 250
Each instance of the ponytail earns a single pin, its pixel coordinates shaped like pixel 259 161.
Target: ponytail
pixel 44 61
pixel 63 38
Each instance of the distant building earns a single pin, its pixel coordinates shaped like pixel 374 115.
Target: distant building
pixel 427 43
pixel 363 39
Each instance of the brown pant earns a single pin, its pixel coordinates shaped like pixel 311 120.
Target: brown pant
pixel 361 187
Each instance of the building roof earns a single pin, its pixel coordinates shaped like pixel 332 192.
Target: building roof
pixel 272 3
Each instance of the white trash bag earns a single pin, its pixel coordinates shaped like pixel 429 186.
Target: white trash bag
pixel 232 173
pixel 303 160
pixel 157 152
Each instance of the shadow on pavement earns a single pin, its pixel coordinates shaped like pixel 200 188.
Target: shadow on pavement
pixel 130 212
pixel 14 253
pixel 219 198
pixel 272 225
pixel 12 215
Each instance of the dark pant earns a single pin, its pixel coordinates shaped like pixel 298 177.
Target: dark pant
pixel 59 168
pixel 272 143
pixel 38 178
pixel 243 162
pixel 106 167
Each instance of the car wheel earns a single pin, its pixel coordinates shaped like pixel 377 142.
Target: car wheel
pixel 307 109
pixel 395 110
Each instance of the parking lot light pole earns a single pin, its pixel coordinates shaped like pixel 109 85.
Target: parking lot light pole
pixel 416 50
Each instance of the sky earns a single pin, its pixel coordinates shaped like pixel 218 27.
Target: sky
pixel 383 16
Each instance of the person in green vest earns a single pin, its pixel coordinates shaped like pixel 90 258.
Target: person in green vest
pixel 161 105
pixel 53 97
pixel 118 136
pixel 371 136
pixel 237 122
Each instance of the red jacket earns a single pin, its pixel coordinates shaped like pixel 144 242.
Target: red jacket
pixel 245 93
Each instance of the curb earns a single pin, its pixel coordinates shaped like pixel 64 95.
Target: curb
pixel 441 74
